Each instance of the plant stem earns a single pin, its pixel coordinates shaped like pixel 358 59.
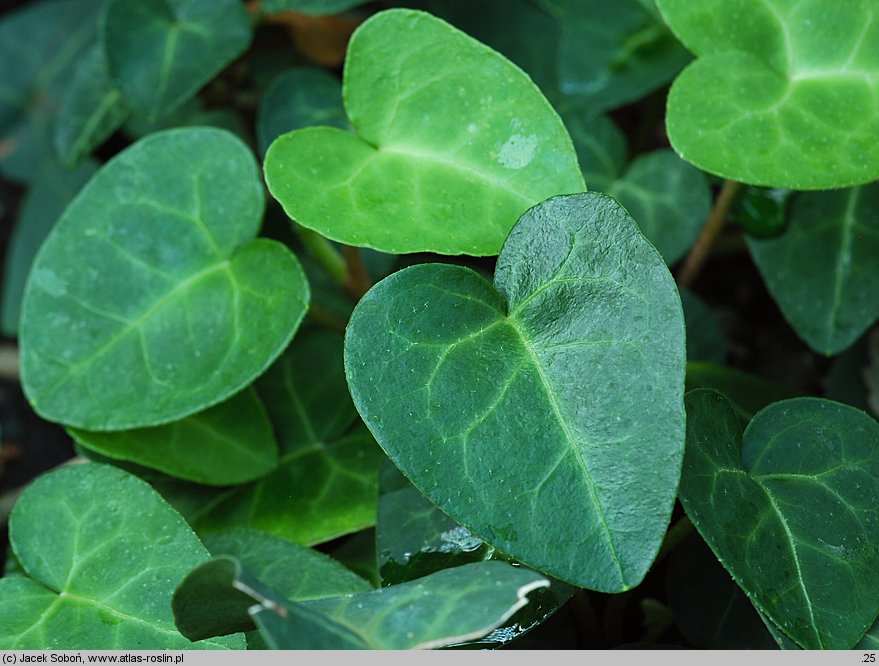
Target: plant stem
pixel 357 279
pixel 325 254
pixel 676 533
pixel 713 226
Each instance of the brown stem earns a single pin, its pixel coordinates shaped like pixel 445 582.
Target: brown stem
pixel 358 282
pixel 713 226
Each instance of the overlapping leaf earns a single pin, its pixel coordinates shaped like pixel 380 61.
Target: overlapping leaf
pixel 154 275
pixel 516 407
pixel 783 94
pixel 789 508
pixel 103 554
pixel 453 144
pixel 822 269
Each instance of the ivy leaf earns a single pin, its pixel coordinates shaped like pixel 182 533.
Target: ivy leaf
pixel 453 144
pixel 91 110
pixel 300 98
pixel 100 572
pixel 310 7
pixel 783 94
pixel 157 276
pixel 822 270
pixel 161 52
pixel 227 444
pixel 789 509
pixel 530 390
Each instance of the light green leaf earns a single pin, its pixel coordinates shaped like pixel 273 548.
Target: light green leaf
pixel 783 94
pixel 789 508
pixel 630 51
pixel 227 444
pixel 43 204
pixel 453 144
pixel 296 99
pixel 103 554
pixel 310 7
pixel 91 110
pixel 517 407
pixel 161 52
pixel 154 274
pixel 41 45
pixel 822 270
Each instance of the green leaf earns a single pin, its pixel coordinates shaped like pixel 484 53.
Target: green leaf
pixel 103 554
pixel 156 275
pixel 161 52
pixel 300 98
pixel 789 508
pixel 871 374
pixel 710 610
pixel 227 444
pixel 91 110
pixel 453 144
pixel 630 51
pixel 41 45
pixel 848 376
pixel 822 270
pixel 783 94
pixel 326 483
pixel 705 341
pixel 762 211
pixel 517 407
pixel 601 145
pixel 748 393
pixel 310 7
pixel 43 204
pixel 188 114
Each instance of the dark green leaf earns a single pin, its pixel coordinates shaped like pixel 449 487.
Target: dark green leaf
pixel 783 94
pixel 161 52
pixel 450 148
pixel 705 341
pixel 310 7
pixel 822 270
pixel 762 211
pixel 789 508
pixel 227 444
pixel 454 376
pixel 103 554
pixel 158 277
pixel 748 393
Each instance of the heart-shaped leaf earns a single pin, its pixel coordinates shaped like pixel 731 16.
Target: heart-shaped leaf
pixel 783 94
pixel 161 52
pixel 227 444
pixel 453 144
pixel 103 554
pixel 822 270
pixel 518 407
pixel 789 508
pixel 155 275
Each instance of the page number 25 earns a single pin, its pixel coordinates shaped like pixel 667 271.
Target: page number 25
pixel 869 658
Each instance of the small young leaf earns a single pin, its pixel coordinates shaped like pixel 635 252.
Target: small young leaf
pixel 161 52
pixel 100 572
pixel 789 508
pixel 453 144
pixel 154 275
pixel 783 94
pixel 822 270
pixel 227 444
pixel 92 109
pixel 518 407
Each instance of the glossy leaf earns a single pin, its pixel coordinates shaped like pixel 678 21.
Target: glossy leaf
pixel 157 276
pixel 762 211
pixel 748 393
pixel 451 372
pixel 326 483
pixel 822 270
pixel 451 147
pixel 789 509
pixel 630 51
pixel 227 444
pixel 783 94
pixel 161 52
pixel 300 98
pixel 43 204
pixel 100 572
pixel 310 7
pixel 40 48
pixel 91 110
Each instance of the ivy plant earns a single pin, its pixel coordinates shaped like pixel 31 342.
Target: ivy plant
pixel 432 323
